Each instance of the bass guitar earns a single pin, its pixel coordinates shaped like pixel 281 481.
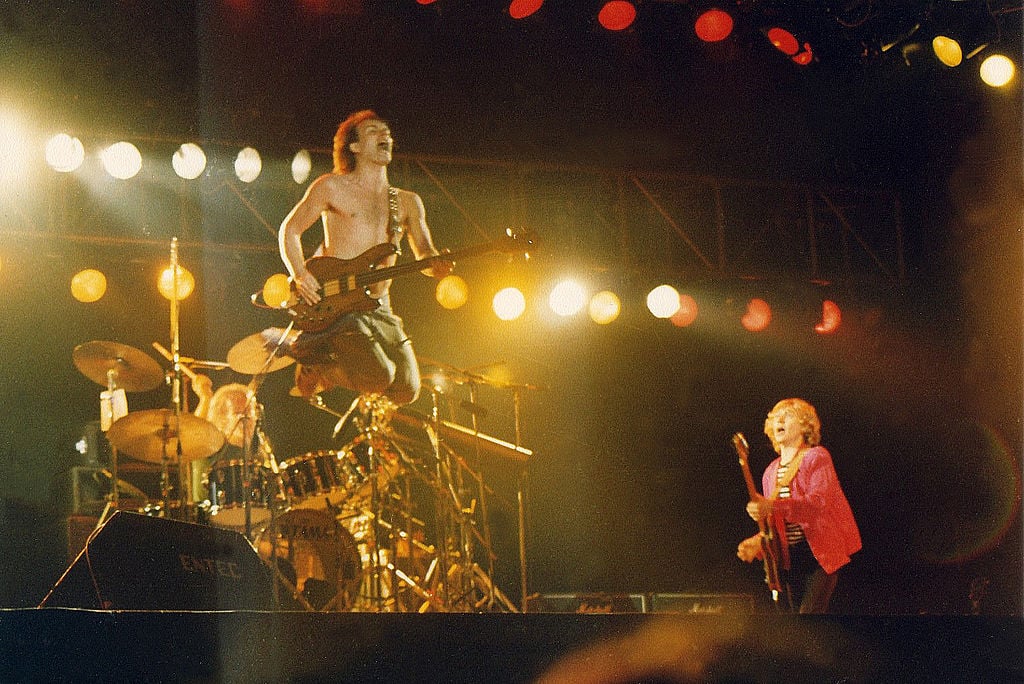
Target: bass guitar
pixel 771 550
pixel 344 283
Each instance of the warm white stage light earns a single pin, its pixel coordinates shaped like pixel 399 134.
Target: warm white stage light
pixel 947 50
pixel 64 153
pixel 14 148
pixel 663 301
pixel 567 298
pixel 88 285
pixel 451 292
pixel 248 165
pixel 509 304
pixel 302 165
pixel 189 161
pixel 997 70
pixel 186 282
pixel 277 290
pixel 605 307
pixel 122 160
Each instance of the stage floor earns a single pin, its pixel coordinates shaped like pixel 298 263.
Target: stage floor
pixel 69 644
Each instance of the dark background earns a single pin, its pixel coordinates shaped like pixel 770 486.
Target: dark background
pixel 555 124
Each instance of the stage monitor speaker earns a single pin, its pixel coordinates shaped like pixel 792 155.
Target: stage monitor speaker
pixel 705 604
pixel 587 603
pixel 137 562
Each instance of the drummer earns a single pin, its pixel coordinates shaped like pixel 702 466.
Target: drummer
pixel 230 410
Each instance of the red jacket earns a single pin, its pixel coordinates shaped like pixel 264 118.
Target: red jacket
pixel 818 505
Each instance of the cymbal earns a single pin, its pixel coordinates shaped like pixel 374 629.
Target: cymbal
pixel 249 356
pixel 129 368
pixel 150 435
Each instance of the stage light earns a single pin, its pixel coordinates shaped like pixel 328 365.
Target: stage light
pixel 713 26
pixel 185 280
pixel 567 298
pixel 605 307
pixel 122 160
pixel 189 161
pixel 787 43
pixel 520 9
pixel 997 70
pixel 14 148
pixel 757 316
pixel 277 291
pixel 663 301
pixel 687 312
pixel 248 165
pixel 64 153
pixel 617 15
pixel 451 291
pixel 831 317
pixel 302 165
pixel 509 304
pixel 947 50
pixel 88 285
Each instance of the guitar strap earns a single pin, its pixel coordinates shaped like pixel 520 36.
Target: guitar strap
pixel 395 229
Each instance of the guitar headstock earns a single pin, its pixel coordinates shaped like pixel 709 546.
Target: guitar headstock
pixel 518 240
pixel 739 442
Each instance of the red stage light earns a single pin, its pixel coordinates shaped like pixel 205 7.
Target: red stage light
pixel 758 315
pixel 831 316
pixel 617 15
pixel 784 40
pixel 687 313
pixel 520 9
pixel 713 26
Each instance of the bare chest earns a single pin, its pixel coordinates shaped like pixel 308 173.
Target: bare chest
pixel 356 222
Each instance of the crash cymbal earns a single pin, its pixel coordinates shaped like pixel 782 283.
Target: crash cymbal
pixel 150 435
pixel 249 357
pixel 128 368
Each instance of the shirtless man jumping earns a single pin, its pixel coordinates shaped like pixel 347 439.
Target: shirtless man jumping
pixel 367 352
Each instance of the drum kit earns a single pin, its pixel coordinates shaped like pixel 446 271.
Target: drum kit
pixel 393 521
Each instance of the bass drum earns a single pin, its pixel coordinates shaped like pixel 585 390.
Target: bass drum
pixel 317 559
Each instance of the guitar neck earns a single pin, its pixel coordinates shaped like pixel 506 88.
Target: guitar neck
pixel 389 272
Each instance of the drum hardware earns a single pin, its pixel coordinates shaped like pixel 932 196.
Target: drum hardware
pixel 119 368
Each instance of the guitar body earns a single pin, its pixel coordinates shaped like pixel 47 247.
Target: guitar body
pixel 771 545
pixel 344 283
pixel 340 289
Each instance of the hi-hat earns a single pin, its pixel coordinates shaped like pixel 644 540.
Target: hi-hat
pixel 249 357
pixel 127 367
pixel 157 434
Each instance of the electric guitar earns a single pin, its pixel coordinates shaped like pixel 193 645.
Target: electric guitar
pixel 771 549
pixel 344 283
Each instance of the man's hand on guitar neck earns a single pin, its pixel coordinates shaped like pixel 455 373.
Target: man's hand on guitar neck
pixel 439 266
pixel 306 286
pixel 759 508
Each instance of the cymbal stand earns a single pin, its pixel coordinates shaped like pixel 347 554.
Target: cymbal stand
pixel 112 407
pixel 250 432
pixel 520 500
pixel 482 496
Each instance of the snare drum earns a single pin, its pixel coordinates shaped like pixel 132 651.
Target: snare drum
pixel 313 480
pixel 227 493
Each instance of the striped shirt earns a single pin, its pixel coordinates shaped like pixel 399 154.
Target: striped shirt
pixel 794 533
